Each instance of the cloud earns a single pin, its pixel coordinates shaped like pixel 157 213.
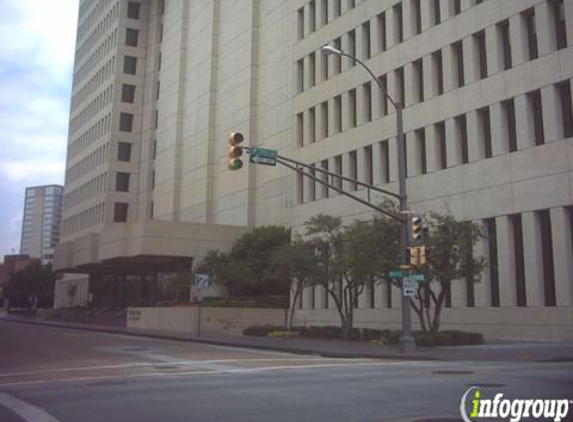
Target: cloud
pixel 36 62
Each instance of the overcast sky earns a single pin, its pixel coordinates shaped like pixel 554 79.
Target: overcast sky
pixel 36 58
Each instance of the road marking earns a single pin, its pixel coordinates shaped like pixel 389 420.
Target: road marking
pixel 212 372
pixel 27 411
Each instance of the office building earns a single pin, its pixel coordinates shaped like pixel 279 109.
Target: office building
pixel 486 88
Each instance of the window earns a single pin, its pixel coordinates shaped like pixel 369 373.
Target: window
pixel 312 16
pixel 529 20
pixel 564 90
pixel 300 23
pixel 123 151
pixel 300 75
pixel 368 162
pixel 154 149
pixel 480 48
pixel 324 113
pixel 338 114
pixel 338 170
pixel 517 229
pixel 353 168
pixel 324 177
pixel 367 101
pixel 352 45
pixel 128 93
pixel 398 23
pixel 382 98
pixel 122 182
pixel 382 31
pixel 440 129
pixel 503 33
pixel 558 12
pixel 125 122
pixel 299 188
pixel 536 116
pixel 299 129
pixel 416 16
pixel 438 71
pixel 131 37
pixel 418 81
pixel 508 107
pixel 437 15
pixel 462 137
pixel 400 87
pixel 312 183
pixel 420 137
pixel 352 107
pixel 324 16
pixel 458 53
pixel 311 126
pixel 366 49
pixel 485 130
pixel 457 7
pixel 133 10
pixel 120 212
pixel 312 69
pixel 384 162
pixel 544 221
pixel 130 65
pixel 337 8
pixel 337 58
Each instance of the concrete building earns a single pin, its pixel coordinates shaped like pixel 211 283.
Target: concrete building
pixel 488 118
pixel 42 221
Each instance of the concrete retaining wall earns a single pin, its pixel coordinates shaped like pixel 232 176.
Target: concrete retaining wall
pixel 209 320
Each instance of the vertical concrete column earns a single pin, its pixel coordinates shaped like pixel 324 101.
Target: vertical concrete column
pixel 475 135
pixel 332 117
pixel 344 6
pixel 471 60
pixel 376 29
pixel 568 9
pixel 426 12
pixel 459 293
pixel 450 72
pixel 346 185
pixel 561 236
pixel 430 77
pixel 377 163
pixel 321 67
pixel 524 123
pixel 518 40
pixel 413 154
pixel 494 50
pixel 506 262
pixel 552 117
pixel 346 111
pixel 453 148
pixel 499 138
pixel 446 9
pixel 392 84
pixel 465 4
pixel 320 10
pixel 393 158
pixel 360 44
pixel 361 165
pixel 308 73
pixel 331 10
pixel 410 84
pixel 347 63
pixel 482 290
pixel 307 20
pixel 545 28
pixel 319 301
pixel 361 106
pixel 378 99
pixel 533 254
pixel 391 28
pixel 407 19
pixel 432 150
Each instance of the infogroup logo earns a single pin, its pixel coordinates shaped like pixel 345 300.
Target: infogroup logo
pixel 514 409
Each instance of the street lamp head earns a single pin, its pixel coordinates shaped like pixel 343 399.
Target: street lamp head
pixel 328 49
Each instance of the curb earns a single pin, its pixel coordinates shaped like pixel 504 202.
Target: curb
pixel 273 348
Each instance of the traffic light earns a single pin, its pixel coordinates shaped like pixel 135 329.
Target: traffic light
pixel 422 255
pixel 414 256
pixel 416 229
pixel 235 151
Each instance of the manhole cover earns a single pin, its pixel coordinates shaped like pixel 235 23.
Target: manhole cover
pixel 452 372
pixel 486 385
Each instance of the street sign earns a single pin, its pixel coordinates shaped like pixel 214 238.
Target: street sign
pixel 267 161
pixel 395 274
pixel 419 278
pixel 264 156
pixel 408 287
pixel 202 281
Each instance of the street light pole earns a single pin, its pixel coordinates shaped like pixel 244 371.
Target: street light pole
pixel 407 343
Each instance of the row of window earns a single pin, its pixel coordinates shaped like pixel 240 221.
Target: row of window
pixel 452 138
pixel 96 57
pixel 95 82
pixel 93 108
pixel 541 251
pixel 308 75
pixel 93 133
pixel 97 33
pixel 87 218
pixel 88 163
pixel 88 20
pixel 86 191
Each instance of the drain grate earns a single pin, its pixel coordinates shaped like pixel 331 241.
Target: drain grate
pixel 452 372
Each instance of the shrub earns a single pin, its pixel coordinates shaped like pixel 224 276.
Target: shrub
pixel 475 338
pixel 425 339
pixel 283 334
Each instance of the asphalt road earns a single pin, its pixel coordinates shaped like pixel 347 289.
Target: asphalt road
pixel 52 374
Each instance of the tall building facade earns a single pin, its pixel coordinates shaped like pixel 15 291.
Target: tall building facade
pixel 486 88
pixel 41 221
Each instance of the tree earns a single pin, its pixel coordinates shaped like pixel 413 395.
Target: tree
pixel 34 281
pixel 452 259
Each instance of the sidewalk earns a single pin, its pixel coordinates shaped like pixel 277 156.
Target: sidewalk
pixel 534 351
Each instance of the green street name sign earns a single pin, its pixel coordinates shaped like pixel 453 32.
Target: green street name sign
pixel 395 274
pixel 263 152
pixel 419 278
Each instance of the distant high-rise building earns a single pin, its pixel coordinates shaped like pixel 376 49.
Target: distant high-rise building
pixel 42 221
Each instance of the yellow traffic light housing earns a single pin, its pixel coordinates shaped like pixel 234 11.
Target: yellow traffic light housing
pixel 416 229
pixel 235 151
